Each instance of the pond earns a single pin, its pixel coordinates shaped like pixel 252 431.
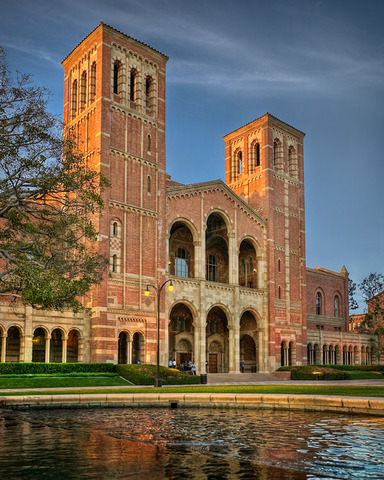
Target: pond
pixel 150 443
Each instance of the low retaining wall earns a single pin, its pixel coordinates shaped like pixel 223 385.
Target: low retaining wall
pixel 361 405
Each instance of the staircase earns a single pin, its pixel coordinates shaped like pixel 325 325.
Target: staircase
pixel 241 378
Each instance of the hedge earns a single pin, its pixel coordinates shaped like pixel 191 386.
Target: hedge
pixel 145 375
pixel 360 368
pixel 41 368
pixel 310 372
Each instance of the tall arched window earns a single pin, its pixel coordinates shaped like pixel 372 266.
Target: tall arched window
pixel 132 85
pixel 336 305
pixel 92 83
pixel 257 155
pixel 114 264
pixel 277 155
pixel 181 262
pixel 116 77
pixel 74 99
pixel 148 91
pixel 279 291
pixel 83 90
pixel 114 229
pixel 149 146
pixel 148 183
pixel 212 269
pixel 279 265
pixel 239 162
pixel 318 304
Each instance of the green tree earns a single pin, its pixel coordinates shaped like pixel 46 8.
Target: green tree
pixel 48 195
pixel 353 305
pixel 371 287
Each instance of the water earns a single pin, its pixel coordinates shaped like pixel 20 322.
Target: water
pixel 189 444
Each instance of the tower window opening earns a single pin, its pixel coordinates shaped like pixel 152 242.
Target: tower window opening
pixel 114 263
pixel 239 162
pixel 114 229
pixel 318 304
pixel 132 86
pixel 257 155
pixel 83 90
pixel 116 74
pixel 149 183
pixel 148 89
pixel 92 83
pixel 149 143
pixel 279 265
pixel 74 99
pixel 336 306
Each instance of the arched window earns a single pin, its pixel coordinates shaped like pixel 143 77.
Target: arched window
pixel 336 304
pixel 212 269
pixel 92 83
pixel 257 155
pixel 116 77
pixel 239 162
pixel 132 85
pixel 74 99
pixel 114 229
pixel 318 304
pixel 149 184
pixel 274 153
pixel 181 262
pixel 148 90
pixel 277 155
pixel 279 292
pixel 149 143
pixel 83 90
pixel 114 264
pixel 279 265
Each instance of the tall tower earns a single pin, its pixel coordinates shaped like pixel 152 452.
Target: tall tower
pixel 114 102
pixel 264 166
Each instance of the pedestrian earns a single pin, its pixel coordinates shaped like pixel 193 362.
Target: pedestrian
pixel 174 363
pixel 242 365
pixel 193 368
pixel 138 362
pixel 170 363
pixel 182 366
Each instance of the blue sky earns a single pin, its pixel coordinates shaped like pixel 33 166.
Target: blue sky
pixel 317 65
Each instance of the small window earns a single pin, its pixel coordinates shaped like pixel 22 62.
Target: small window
pixel 74 99
pixel 149 146
pixel 239 162
pixel 279 265
pixel 83 90
pixel 318 304
pixel 212 269
pixel 336 306
pixel 132 86
pixel 274 153
pixel 148 88
pixel 279 291
pixel 114 263
pixel 114 229
pixel 116 75
pixel 149 184
pixel 92 83
pixel 181 263
pixel 257 154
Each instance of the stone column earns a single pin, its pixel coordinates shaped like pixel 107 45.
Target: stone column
pixel 234 351
pixel 64 350
pixel 28 346
pixel 47 348
pixel 3 347
pixel 129 351
pixel 233 277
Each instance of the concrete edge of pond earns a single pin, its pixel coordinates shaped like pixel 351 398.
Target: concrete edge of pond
pixel 359 405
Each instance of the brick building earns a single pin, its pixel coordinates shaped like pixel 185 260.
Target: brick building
pixel 235 251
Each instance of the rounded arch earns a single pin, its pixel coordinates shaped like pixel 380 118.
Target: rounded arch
pixel 40 336
pixel 123 349
pixel 56 345
pixel 181 334
pixel 181 250
pixel 115 227
pixel 250 259
pixel 73 342
pixel 217 247
pixel 188 304
pixel 187 223
pixel 319 299
pixel 13 341
pixel 221 213
pixel 222 307
pixel 138 347
pixel 217 332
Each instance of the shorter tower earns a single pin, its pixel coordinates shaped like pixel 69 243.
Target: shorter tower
pixel 264 166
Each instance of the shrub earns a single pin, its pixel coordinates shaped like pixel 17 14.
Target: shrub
pixel 307 372
pixel 50 368
pixel 145 375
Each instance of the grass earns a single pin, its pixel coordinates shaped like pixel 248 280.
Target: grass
pixel 15 382
pixel 342 390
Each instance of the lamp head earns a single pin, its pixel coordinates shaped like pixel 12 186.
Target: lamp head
pixel 170 288
pixel 146 293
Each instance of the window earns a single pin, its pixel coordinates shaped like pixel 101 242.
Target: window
pixel 149 184
pixel 212 269
pixel 279 265
pixel 318 304
pixel 149 143
pixel 83 90
pixel 148 89
pixel 239 161
pixel 74 99
pixel 274 153
pixel 181 262
pixel 336 306
pixel 92 83
pixel 114 229
pixel 132 86
pixel 114 264
pixel 257 155
pixel 279 292
pixel 116 75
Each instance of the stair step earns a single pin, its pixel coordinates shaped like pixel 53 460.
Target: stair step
pixel 221 378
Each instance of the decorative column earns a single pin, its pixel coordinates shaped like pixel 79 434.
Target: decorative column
pixel 234 351
pixel 47 348
pixel 3 347
pixel 129 351
pixel 64 350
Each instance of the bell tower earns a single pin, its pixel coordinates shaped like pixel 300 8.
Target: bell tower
pixel 264 166
pixel 114 103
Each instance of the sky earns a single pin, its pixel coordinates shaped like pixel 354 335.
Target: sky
pixel 318 65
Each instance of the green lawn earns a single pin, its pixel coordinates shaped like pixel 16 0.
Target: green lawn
pixel 62 381
pixel 342 390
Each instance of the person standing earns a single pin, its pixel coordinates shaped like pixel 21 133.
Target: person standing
pixel 242 365
pixel 193 368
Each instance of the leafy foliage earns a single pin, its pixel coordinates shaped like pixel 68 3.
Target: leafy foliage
pixel 353 305
pixel 145 375
pixel 311 372
pixel 48 194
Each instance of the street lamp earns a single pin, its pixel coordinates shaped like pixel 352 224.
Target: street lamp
pixel 158 291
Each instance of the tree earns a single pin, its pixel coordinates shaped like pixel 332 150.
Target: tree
pixel 48 195
pixel 372 289
pixel 353 305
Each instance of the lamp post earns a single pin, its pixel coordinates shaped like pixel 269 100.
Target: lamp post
pixel 158 291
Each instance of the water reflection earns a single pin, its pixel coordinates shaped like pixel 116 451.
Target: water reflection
pixel 193 444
